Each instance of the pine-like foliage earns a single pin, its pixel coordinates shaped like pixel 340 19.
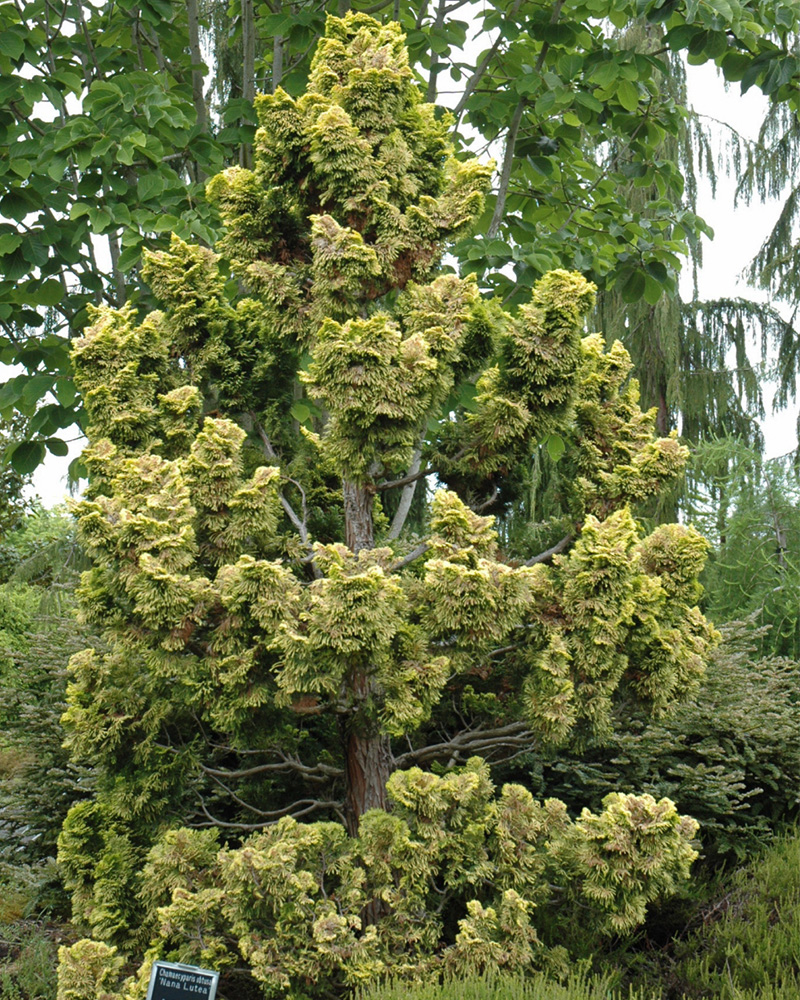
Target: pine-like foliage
pixel 730 757
pixel 258 661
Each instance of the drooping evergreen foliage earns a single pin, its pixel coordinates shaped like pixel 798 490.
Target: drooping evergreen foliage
pixel 748 507
pixel 272 682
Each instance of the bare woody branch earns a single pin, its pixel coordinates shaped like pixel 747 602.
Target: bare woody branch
pixel 510 740
pixel 511 140
pixel 420 550
pixel 298 523
pixel 297 809
pixel 554 550
pixel 407 496
pixel 482 66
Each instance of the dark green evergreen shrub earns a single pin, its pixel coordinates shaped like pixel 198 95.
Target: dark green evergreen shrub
pixel 729 757
pixel 39 782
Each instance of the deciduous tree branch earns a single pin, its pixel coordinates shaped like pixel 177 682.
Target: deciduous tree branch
pixel 548 554
pixel 420 550
pixel 297 809
pixel 511 140
pixel 482 66
pixel 407 497
pixel 198 98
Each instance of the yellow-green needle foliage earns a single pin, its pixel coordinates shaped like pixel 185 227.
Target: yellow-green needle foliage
pixel 289 699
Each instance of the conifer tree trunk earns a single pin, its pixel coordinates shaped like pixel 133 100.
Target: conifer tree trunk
pixel 359 533
pixel 662 416
pixel 367 751
pixel 367 768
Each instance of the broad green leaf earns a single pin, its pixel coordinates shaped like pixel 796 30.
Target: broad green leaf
pixel 57 167
pixel 100 219
pixel 11 391
pixel 15 205
pixel 57 447
pixel 723 8
pixel 300 411
pixel 657 270
pixel 12 41
pixel 9 242
pixel 35 388
pixel 50 292
pixel 130 257
pixel 78 209
pixel 27 456
pixel 149 185
pixel 65 391
pixel 14 265
pixel 653 290
pixel 555 447
pixel 628 95
pixel 632 286
pixel 22 168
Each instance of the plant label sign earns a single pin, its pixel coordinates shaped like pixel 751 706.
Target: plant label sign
pixel 173 981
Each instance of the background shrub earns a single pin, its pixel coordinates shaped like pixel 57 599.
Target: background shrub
pixel 749 945
pixel 729 756
pixel 577 986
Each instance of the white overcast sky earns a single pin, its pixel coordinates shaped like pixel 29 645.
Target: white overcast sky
pixel 740 231
pixel 738 234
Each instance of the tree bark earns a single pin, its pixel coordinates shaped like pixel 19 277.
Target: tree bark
pixel 407 496
pixel 121 292
pixel 433 75
pixel 359 530
pixel 198 74
pixel 248 71
pixel 511 138
pixel 367 769
pixel 277 62
pixel 662 413
pixel 505 173
pixel 367 751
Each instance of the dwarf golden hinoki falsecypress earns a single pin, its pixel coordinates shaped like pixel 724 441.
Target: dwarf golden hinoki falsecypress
pixel 281 666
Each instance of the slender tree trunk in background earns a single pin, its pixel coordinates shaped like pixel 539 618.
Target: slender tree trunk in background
pixel 277 62
pixel 662 413
pixel 433 76
pixel 511 138
pixel 248 70
pixel 406 497
pixel 198 69
pixel 121 292
pixel 505 173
